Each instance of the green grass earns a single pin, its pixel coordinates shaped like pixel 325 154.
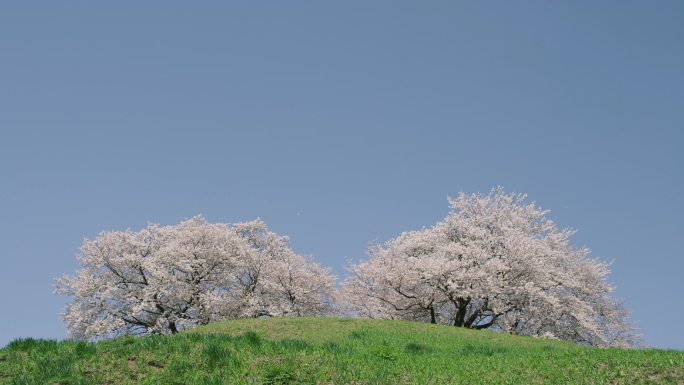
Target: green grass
pixel 332 351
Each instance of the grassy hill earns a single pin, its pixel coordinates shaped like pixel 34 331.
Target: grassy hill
pixel 332 351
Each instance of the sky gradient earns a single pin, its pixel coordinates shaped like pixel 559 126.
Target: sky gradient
pixel 340 124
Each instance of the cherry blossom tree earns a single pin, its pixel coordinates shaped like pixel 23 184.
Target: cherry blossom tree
pixel 163 279
pixel 495 262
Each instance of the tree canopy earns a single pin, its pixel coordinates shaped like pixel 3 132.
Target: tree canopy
pixel 495 262
pixel 164 279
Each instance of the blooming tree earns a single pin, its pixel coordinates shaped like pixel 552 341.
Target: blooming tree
pixel 496 263
pixel 164 279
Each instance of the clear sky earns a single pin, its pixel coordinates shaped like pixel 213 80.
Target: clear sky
pixel 340 124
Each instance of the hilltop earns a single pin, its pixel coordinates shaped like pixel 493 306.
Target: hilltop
pixel 332 351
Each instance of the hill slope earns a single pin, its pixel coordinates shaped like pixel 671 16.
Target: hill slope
pixel 332 351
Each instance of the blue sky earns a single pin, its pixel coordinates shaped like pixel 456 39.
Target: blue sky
pixel 340 124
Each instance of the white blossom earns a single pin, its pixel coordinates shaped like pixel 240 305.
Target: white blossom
pixel 494 262
pixel 164 279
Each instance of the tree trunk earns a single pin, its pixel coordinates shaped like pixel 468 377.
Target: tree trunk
pixel 461 310
pixel 172 327
pixel 460 317
pixel 433 319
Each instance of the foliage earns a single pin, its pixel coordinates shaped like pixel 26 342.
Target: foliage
pixel 332 351
pixel 161 280
pixel 494 262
